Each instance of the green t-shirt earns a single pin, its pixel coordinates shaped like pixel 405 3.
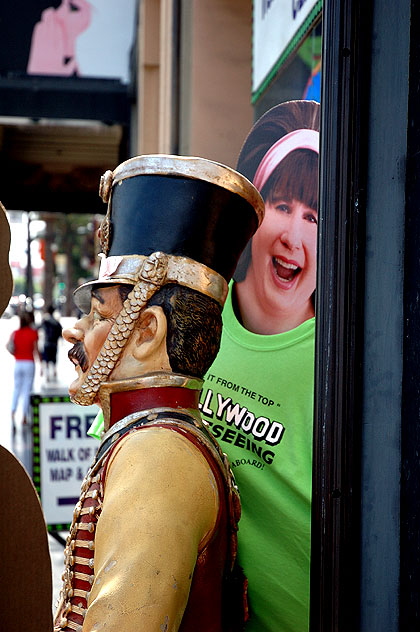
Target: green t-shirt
pixel 258 398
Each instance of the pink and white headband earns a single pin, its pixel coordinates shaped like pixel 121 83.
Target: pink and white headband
pixel 298 139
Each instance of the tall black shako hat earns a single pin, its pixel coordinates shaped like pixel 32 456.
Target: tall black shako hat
pixel 173 219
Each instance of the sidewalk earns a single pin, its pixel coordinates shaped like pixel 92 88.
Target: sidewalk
pixel 21 444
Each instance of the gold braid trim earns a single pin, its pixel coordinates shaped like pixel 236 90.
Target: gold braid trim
pixel 84 544
pixel 72 626
pixel 78 610
pixel 77 592
pixel 84 577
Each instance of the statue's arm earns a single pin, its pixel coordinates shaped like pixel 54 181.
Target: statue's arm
pixel 160 502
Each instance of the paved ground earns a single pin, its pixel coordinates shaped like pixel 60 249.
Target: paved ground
pixel 21 443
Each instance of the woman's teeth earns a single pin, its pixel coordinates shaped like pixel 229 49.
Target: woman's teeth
pixel 285 271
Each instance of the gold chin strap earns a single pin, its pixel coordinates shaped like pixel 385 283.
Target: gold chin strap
pixel 155 271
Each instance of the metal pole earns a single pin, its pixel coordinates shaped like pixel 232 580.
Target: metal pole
pixel 29 278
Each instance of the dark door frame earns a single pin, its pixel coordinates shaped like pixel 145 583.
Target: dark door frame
pixel 365 568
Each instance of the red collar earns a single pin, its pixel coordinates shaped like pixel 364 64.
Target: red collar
pixel 125 403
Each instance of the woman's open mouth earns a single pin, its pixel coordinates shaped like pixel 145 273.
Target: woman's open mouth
pixel 285 271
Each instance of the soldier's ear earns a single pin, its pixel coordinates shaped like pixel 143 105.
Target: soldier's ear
pixel 149 336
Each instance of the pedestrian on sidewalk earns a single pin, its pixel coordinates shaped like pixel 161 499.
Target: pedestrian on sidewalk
pixel 25 351
pixel 51 330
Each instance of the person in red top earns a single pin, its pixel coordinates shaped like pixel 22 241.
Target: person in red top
pixel 25 352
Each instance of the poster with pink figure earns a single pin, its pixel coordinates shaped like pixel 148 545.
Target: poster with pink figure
pixel 53 44
pixel 70 38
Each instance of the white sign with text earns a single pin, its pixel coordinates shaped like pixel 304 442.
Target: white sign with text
pixel 66 453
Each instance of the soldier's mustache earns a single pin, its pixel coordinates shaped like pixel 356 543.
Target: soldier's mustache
pixel 77 355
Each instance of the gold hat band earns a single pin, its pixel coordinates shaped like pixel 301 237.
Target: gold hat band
pixel 130 269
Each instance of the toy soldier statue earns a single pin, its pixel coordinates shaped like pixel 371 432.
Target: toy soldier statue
pixel 153 539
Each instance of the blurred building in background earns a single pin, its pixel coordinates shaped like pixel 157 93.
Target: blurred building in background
pixel 139 76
